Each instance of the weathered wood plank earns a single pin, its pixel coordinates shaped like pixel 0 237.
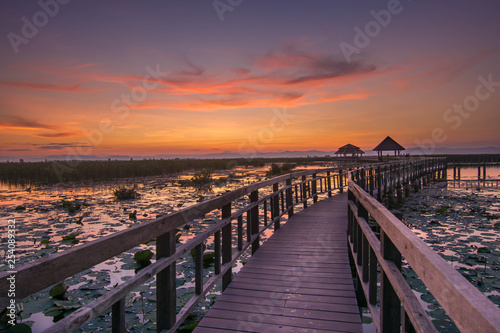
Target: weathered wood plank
pixel 296 281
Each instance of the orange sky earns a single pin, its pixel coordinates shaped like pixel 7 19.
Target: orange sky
pixel 134 82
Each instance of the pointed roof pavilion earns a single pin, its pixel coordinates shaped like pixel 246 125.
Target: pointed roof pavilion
pixel 349 149
pixel 387 145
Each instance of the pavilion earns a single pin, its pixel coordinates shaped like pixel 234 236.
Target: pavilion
pixel 353 150
pixel 388 145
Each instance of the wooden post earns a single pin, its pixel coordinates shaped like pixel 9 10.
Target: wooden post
pixel 372 291
pixel 399 193
pixel 386 180
pixel 118 317
pixel 240 232
pixel 289 197
pixel 362 212
pixel 254 220
pixel 198 269
pixel 329 183
pixel 314 188
pixel 275 207
pixel 304 191
pixel 341 181
pixel 217 251
pixel 390 305
pixel 372 185
pixel 226 246
pixel 265 212
pixel 166 284
pixel 379 183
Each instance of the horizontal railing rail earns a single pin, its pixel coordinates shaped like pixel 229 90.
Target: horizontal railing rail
pixel 286 192
pixel 378 243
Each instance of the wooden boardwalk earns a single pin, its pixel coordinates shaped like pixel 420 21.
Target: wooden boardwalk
pixel 298 281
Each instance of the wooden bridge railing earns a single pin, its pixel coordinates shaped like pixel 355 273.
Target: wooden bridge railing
pixel 262 212
pixel 378 242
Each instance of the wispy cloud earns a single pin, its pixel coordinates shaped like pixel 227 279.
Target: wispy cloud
pixel 59 135
pixel 73 88
pixel 12 122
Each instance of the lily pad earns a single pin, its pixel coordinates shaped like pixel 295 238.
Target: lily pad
pixel 19 328
pixel 67 305
pixel 70 236
pixel 58 290
pixel 143 257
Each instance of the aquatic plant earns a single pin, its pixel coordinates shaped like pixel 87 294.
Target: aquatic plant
pixel 201 178
pixel 123 193
pixel 143 258
pixel 277 169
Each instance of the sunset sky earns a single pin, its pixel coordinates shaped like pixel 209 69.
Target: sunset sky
pixel 202 76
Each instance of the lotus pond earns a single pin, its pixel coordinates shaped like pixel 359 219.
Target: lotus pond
pixel 460 224
pixel 463 226
pixel 53 218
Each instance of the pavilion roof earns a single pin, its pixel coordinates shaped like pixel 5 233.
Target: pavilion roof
pixel 388 144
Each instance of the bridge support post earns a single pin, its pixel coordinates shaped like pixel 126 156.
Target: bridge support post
pixel 379 183
pixel 289 198
pixel 304 191
pixel 329 183
pixel 390 305
pixel 118 317
pixel 399 193
pixel 166 284
pixel 275 207
pixel 314 188
pixel 254 220
pixel 227 251
pixel 372 185
pixel 341 181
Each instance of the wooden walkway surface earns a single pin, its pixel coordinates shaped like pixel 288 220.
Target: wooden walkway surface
pixel 298 281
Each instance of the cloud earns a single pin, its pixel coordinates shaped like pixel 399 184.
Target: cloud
pixel 59 135
pixel 14 122
pixel 284 77
pixel 60 146
pixel 73 88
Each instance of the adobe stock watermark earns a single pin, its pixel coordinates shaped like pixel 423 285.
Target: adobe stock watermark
pixel 256 143
pixel 30 27
pixel 372 29
pixel 223 6
pixel 121 106
pixel 455 115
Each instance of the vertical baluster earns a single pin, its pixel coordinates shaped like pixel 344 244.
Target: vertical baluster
pixel 304 191
pixel 265 212
pixel 390 305
pixel 275 208
pixel 341 181
pixel 329 183
pixel 314 188
pixel 289 197
pixel 372 297
pixel 217 251
pixel 254 220
pixel 240 232
pixel 226 246
pixel 165 283
pixel 198 268
pixel 118 317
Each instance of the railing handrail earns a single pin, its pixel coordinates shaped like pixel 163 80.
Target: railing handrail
pixel 469 309
pixel 57 267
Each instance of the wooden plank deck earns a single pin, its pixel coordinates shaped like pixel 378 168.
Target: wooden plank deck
pixel 298 281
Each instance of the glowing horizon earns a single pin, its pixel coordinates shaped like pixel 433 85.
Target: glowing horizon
pixel 190 78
